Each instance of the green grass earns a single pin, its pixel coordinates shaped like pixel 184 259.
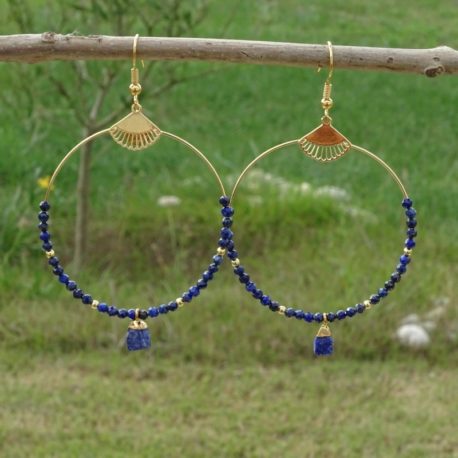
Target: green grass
pixel 225 377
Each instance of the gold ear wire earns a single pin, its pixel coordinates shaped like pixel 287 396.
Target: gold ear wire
pixel 326 101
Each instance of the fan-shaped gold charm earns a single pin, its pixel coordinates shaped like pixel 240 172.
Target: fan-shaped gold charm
pixel 135 131
pixel 325 143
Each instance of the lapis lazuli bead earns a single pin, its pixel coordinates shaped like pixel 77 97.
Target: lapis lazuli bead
pixel 244 278
pixel 131 314
pixel 411 232
pixel 43 216
pixel 54 261
pixel 265 300
pixel 186 297
pixel 153 312
pixel 163 309
pixel 274 306
pixel 58 270
pixel 47 246
pixel 239 270
pixel 407 203
pixel 382 292
pixel 411 223
pixel 411 213
pixel 142 314
pixel 112 310
pixel 330 316
pixel 217 259
pixel 122 313
pixel 227 211
pixel 172 306
pixel 351 311
pixel 64 278
pixel 138 339
pixel 250 287
pixel 87 299
pixel 223 243
pixel 374 299
pixel 207 276
pixel 45 236
pixel 44 206
pixel 308 317
pixel 201 283
pixel 389 285
pixel 318 317
pixel 227 222
pixel 224 201
pixel 194 291
pixel 71 285
pixel 289 312
pixel 102 307
pixel 323 346
pixel 410 243
pixel 78 293
pixel 341 314
pixel 226 233
pixel 43 226
pixel 233 254
pixel 360 308
pixel 404 259
pixel 258 294
pixel 395 277
pixel 230 245
pixel 213 267
pixel 401 268
pixel 299 314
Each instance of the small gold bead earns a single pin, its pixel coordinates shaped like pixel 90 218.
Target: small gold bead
pixel 367 304
pixel 179 302
pixel 281 309
pixel 221 251
pixel 94 304
pixel 50 254
pixel 407 252
pixel 236 262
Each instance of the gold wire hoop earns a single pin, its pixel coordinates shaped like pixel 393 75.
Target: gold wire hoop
pixel 190 146
pixel 271 150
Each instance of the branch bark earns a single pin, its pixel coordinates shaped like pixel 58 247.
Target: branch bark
pixel 51 46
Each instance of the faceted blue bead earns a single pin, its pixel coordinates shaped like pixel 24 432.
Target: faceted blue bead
pixel 226 233
pixel 227 211
pixel 401 268
pixel 239 270
pixel 71 285
pixel 58 270
pixel 404 259
pixel 45 236
pixel 217 259
pixel 265 300
pixel 78 293
pixel 131 314
pixel 230 245
pixel 299 314
pixel 102 307
pixel 250 286
pixel 407 203
pixel 411 213
pixel 201 283
pixel 341 314
pixel 411 232
pixel 54 261
pixel 318 317
pixel 87 299
pixel 227 222
pixel 138 339
pixel 186 297
pixel 323 346
pixel 411 223
pixel 43 226
pixel 153 312
pixel 142 314
pixel 224 201
pixel 122 313
pixel 360 308
pixel 44 206
pixel 47 246
pixel 163 309
pixel 274 306
pixel 330 317
pixel 351 311
pixel 222 243
pixel 308 317
pixel 212 268
pixel 410 243
pixel 172 306
pixel 374 299
pixel 382 292
pixel 395 277
pixel 207 276
pixel 244 278
pixel 289 312
pixel 389 285
pixel 194 291
pixel 112 310
pixel 64 278
pixel 258 294
pixel 232 255
pixel 43 216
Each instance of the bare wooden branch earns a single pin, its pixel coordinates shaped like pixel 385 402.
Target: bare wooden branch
pixel 51 46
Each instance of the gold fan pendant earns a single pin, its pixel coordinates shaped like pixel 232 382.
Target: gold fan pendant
pixel 325 143
pixel 135 131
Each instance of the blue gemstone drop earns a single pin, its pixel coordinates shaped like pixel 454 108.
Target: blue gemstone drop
pixel 323 346
pixel 138 339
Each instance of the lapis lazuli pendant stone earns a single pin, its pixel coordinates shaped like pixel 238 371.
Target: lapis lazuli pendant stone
pixel 138 337
pixel 323 345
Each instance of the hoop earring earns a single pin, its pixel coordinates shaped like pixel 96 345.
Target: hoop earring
pixel 326 144
pixel 134 132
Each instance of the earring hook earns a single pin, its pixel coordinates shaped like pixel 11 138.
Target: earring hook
pixel 326 101
pixel 135 86
pixel 134 51
pixel 331 62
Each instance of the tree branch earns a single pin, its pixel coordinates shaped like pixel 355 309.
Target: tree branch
pixel 50 46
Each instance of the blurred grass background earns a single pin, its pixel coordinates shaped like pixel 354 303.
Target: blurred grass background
pixel 224 377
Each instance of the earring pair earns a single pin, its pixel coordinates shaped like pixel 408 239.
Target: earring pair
pixel 324 144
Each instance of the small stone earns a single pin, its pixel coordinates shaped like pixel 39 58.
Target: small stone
pixel 138 339
pixel 323 346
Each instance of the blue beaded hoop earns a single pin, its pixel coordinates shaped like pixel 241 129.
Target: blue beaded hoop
pixel 134 132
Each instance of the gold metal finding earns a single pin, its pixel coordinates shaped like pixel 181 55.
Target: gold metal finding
pixel 281 309
pixel 94 304
pixel 367 304
pixel 50 254
pixel 137 323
